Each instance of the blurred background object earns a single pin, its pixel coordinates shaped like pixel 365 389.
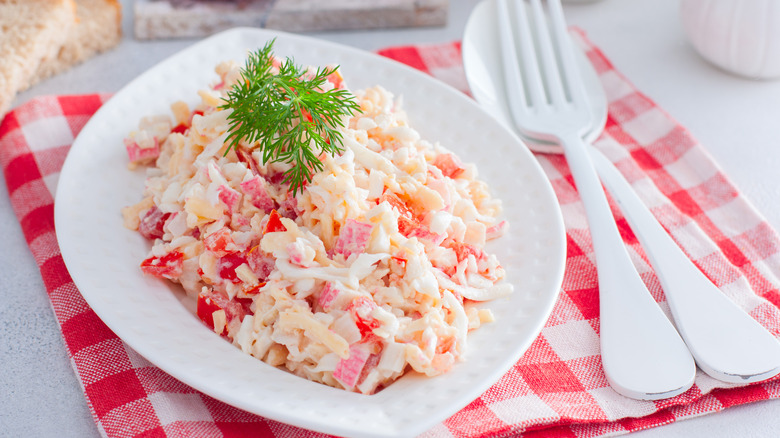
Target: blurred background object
pixel 739 36
pixel 157 19
pixel 42 38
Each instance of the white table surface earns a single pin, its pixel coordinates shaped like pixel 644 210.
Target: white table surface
pixel 737 120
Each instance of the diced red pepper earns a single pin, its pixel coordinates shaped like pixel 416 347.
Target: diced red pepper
pixel 274 223
pixel 166 266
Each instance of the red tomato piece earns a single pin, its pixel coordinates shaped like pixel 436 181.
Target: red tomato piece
pixel 220 242
pixel 306 115
pixel 407 226
pixel 398 204
pixel 336 79
pixel 210 301
pixel 206 306
pixel 274 223
pixel 226 267
pixel 407 222
pixel 151 225
pixel 254 290
pixel 361 308
pixel 181 128
pixel 167 266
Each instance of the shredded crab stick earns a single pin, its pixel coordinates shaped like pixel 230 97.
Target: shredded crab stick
pixel 372 270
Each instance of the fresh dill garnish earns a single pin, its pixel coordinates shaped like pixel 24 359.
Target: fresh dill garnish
pixel 287 114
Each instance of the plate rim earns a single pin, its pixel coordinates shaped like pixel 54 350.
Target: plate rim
pixel 67 254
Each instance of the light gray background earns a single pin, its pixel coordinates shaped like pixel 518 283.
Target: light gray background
pixel 737 120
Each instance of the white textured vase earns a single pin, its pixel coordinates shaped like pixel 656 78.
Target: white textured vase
pixel 740 36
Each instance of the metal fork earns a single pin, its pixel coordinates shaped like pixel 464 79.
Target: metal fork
pixel 642 354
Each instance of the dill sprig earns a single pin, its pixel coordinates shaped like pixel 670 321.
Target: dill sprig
pixel 287 114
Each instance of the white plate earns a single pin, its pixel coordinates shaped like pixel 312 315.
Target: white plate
pixel 153 318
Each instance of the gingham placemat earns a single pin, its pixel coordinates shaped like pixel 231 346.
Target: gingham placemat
pixel 557 389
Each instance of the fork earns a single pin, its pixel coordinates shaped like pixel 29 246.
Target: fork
pixel 642 354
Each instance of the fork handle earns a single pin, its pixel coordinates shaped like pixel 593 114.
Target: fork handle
pixel 725 341
pixel 642 354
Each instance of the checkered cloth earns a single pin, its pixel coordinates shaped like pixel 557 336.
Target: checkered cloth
pixel 558 387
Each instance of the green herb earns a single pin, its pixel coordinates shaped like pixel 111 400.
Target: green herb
pixel 287 114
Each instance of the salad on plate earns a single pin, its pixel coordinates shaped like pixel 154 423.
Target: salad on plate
pixel 318 231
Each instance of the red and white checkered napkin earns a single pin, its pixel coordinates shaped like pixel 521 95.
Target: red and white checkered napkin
pixel 557 387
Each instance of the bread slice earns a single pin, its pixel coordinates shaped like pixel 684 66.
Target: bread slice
pixel 99 28
pixel 41 38
pixel 32 32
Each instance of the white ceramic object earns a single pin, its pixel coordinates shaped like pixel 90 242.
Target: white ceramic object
pixel 740 36
pixel 482 60
pixel 156 320
pixel 642 354
pixel 725 341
